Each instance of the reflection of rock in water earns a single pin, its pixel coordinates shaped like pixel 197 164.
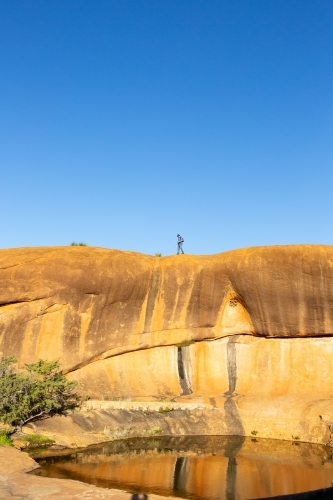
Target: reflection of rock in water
pixel 232 446
pixel 231 450
pixel 214 468
pixel 180 475
pixel 323 494
pixel 231 479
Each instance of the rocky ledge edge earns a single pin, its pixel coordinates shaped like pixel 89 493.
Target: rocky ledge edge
pixel 300 418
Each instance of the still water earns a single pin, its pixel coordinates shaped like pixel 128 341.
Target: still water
pixel 198 467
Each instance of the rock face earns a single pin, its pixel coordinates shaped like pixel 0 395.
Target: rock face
pixel 251 324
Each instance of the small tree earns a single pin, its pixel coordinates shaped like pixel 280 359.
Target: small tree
pixel 39 393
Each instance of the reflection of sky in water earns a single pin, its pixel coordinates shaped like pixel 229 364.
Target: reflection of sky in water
pixel 207 468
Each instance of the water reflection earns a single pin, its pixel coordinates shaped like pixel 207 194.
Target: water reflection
pixel 204 467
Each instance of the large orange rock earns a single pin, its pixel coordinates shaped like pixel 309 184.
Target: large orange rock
pixel 261 320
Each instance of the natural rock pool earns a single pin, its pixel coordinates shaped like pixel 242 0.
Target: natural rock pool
pixel 197 467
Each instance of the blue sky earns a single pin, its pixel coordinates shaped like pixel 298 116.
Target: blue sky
pixel 123 123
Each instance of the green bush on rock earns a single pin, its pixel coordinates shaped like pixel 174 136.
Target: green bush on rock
pixel 165 409
pixel 5 439
pixel 38 392
pixel 37 440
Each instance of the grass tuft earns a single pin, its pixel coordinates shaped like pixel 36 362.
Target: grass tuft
pixel 38 440
pixel 165 409
pixel 153 431
pixel 5 439
pixel 185 343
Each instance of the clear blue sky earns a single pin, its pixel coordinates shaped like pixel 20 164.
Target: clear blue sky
pixel 125 122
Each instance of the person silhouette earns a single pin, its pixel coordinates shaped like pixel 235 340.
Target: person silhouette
pixel 180 244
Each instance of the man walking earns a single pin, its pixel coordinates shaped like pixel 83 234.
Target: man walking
pixel 180 244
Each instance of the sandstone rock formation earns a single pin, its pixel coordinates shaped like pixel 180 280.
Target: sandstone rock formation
pixel 247 327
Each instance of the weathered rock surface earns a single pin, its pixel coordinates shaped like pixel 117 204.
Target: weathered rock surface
pixel 94 303
pixel 284 418
pixel 260 321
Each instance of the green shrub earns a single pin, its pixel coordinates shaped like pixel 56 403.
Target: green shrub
pixel 158 254
pixel 5 439
pixel 34 440
pixel 165 409
pixel 41 391
pixel 153 430
pixel 78 244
